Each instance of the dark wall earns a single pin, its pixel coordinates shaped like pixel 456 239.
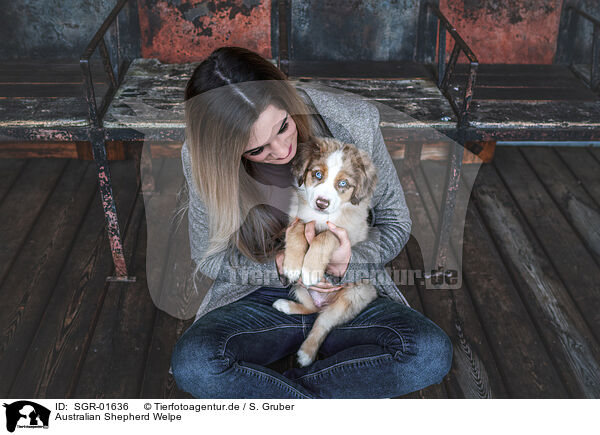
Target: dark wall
pixel 498 31
pixel 354 29
pixel 45 29
pixel 578 48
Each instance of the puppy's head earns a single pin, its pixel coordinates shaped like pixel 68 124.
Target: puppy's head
pixel 332 173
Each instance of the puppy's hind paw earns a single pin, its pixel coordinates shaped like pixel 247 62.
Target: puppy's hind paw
pixel 282 305
pixel 304 359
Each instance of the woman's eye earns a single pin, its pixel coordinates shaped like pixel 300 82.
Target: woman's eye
pixel 284 128
pixel 318 175
pixel 342 183
pixel 257 151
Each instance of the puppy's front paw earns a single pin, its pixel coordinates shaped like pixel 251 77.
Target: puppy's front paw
pixel 313 267
pixel 304 359
pixel 311 277
pixel 291 274
pixel 282 305
pixel 292 268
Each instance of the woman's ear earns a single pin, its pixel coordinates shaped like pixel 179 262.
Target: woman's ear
pixel 366 175
pixel 305 153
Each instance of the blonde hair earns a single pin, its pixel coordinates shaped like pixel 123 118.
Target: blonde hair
pixel 218 127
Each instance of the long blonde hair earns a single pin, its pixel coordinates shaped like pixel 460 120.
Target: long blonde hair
pixel 224 98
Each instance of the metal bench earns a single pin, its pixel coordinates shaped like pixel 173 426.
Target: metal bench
pixel 558 102
pixel 146 104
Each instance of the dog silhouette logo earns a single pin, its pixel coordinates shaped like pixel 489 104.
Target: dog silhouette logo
pixel 26 414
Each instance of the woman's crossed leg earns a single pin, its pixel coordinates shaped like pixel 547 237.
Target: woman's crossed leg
pixel 388 350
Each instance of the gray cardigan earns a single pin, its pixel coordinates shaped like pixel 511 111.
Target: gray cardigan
pixel 349 119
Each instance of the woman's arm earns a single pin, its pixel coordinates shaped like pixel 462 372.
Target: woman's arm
pixel 217 266
pixel 391 219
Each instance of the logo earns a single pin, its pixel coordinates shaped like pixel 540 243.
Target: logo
pixel 26 414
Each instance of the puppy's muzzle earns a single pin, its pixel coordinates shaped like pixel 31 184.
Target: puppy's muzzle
pixel 322 203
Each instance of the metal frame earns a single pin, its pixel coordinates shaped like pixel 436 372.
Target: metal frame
pixel 455 155
pixel 97 134
pixel 573 15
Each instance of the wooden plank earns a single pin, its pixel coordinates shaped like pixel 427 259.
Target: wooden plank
pixel 28 150
pixel 9 170
pixel 43 112
pixel 152 95
pixel 413 98
pixel 22 205
pixel 29 286
pixel 581 211
pixel 518 70
pixel 50 74
pixel 586 169
pixel 584 163
pixel 595 151
pixel 64 331
pixel 474 373
pixel 558 320
pixel 357 69
pixel 483 80
pixel 574 92
pixel 157 381
pixel 55 65
pixel 27 90
pixel 520 115
pixel 169 283
pixel 411 292
pixel 525 365
pixel 114 363
pixel 545 201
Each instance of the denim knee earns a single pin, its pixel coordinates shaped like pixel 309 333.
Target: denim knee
pixel 434 351
pixel 195 362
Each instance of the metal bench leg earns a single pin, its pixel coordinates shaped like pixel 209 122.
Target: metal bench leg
pixel 109 207
pixel 442 240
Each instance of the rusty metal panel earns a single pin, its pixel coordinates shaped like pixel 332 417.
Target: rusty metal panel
pixel 354 29
pixel 178 31
pixel 511 31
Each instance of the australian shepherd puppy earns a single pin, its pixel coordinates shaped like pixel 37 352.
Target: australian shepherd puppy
pixel 335 181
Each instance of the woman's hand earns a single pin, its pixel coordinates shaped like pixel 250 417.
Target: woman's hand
pixel 279 261
pixel 323 286
pixel 338 263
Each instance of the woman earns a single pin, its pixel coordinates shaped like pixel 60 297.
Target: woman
pixel 244 120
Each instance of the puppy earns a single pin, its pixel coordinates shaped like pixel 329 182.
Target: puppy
pixel 335 181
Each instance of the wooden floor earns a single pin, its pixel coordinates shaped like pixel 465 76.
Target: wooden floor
pixel 525 324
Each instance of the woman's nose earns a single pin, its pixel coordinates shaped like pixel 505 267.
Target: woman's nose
pixel 280 149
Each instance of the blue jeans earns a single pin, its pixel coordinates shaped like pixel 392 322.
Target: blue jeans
pixel 388 350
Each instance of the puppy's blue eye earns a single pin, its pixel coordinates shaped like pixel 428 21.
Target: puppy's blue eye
pixel 342 183
pixel 318 175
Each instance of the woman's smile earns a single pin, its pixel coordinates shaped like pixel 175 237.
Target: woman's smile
pixel 288 154
pixel 273 131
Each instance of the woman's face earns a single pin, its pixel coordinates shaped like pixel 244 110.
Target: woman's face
pixel 273 139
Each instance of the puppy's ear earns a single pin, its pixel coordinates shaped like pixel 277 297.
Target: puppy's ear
pixel 305 153
pixel 366 176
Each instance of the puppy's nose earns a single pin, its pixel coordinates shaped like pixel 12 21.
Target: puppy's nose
pixel 322 203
